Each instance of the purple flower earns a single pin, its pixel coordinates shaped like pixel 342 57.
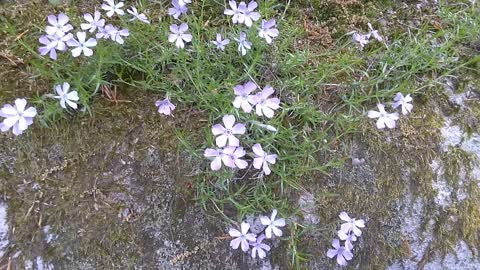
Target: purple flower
pixel 267 31
pixel 53 43
pixel 343 254
pixel 272 224
pixel 94 22
pixel 259 248
pixel 348 238
pixel 238 12
pixel 361 40
pixel 351 225
pixel 243 44
pixel 113 8
pixel 262 159
pixel 165 106
pixel 115 34
pixel 250 15
pixel 241 237
pixel 141 17
pixel 231 157
pixel 243 98
pixel 177 10
pixel 264 105
pixel 384 118
pixel 227 132
pixel 216 155
pixel 65 96
pixel 179 35
pixel 81 45
pixel 17 117
pixel 58 26
pixel 104 32
pixel 221 43
pixel 374 33
pixel 404 102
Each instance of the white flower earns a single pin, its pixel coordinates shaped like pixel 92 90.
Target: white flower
pixel 400 100
pixel 259 248
pixel 243 44
pixel 221 43
pixel 374 33
pixel 184 2
pixel 17 117
pixel 94 22
pixel 65 97
pixel 179 35
pixel 241 238
pixel 267 31
pixel 384 118
pixel 141 17
pixel 262 159
pixel 115 34
pixel 113 8
pixel 81 45
pixel 265 105
pixel 343 254
pixel 228 132
pixel 351 225
pixel 348 238
pixel 272 224
pixel 53 43
pixel 58 25
pixel 231 157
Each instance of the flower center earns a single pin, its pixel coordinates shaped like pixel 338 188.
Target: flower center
pixel 228 132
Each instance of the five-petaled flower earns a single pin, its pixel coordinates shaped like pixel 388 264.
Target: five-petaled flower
pixel 384 118
pixel 243 44
pixel 221 43
pixel 342 253
pixel 136 16
pixel 117 35
pixel 111 7
pixel 165 106
pixel 262 159
pixel 53 43
pixel 228 132
pixel 264 105
pixel 58 25
pixel 268 32
pixel 250 15
pixel 259 248
pixel 272 224
pixel 404 102
pixel 238 12
pixel 349 238
pixel 179 35
pixel 17 117
pixel 231 157
pixel 65 97
pixel 242 237
pixel 81 45
pixel 177 10
pixel 374 33
pixel 216 155
pixel 351 225
pixel 94 22
pixel 243 98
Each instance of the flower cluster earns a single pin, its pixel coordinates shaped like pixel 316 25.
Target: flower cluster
pixel 230 153
pixel 246 239
pixel 349 231
pixel 179 33
pixel 58 35
pixel 244 13
pixel 388 119
pixel 363 39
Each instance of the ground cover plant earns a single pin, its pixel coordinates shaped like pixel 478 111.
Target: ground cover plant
pixel 280 110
